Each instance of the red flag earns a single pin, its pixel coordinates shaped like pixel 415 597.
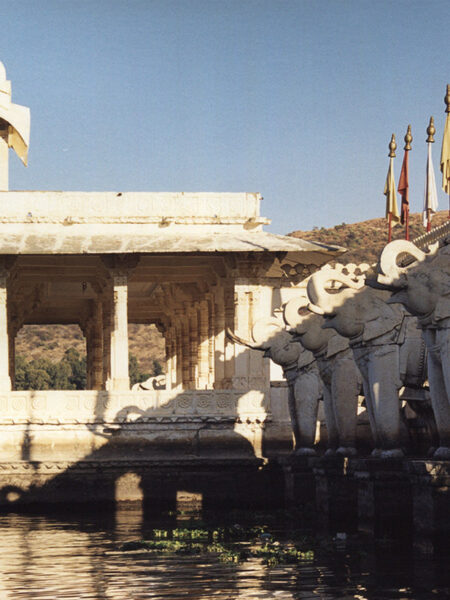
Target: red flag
pixel 403 189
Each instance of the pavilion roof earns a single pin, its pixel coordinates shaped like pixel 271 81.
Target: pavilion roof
pixel 144 223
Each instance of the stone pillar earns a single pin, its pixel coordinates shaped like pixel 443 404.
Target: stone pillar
pixel 97 346
pixel 193 348
pixel 174 352
pixel 119 379
pixel 87 330
pixel 211 341
pixel 203 345
pixel 185 364
pixel 12 356
pixel 106 326
pixel 179 354
pixel 242 327
pixel 229 345
pixel 219 338
pixel 258 366
pixel 5 381
pixel 169 358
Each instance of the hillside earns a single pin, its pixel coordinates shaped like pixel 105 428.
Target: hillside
pixel 365 240
pixel 51 342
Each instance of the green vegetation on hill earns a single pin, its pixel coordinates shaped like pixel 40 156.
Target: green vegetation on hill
pixel 366 240
pixel 67 374
pixel 44 348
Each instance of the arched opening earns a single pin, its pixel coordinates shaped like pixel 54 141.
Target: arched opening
pixel 53 357
pixel 49 357
pixel 146 350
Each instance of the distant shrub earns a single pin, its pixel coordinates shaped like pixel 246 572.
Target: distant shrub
pixel 67 374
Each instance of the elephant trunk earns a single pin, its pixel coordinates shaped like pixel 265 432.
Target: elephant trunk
pixel 291 310
pixel 391 272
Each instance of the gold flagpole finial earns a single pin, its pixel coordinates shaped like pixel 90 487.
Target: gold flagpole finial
pixel 408 139
pixel 431 130
pixel 447 98
pixel 392 146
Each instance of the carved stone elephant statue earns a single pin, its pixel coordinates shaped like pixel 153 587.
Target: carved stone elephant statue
pixel 341 378
pixel 386 343
pixel 301 373
pixel 424 289
pixel 156 382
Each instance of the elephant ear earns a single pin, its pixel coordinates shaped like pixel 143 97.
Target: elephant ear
pixel 442 310
pixel 381 318
pixel 337 343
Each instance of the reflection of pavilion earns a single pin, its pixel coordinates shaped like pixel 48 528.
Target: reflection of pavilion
pixel 193 264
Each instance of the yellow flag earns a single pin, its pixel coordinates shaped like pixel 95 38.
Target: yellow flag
pixel 445 157
pixel 391 194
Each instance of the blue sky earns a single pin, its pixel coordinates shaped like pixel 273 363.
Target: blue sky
pixel 296 100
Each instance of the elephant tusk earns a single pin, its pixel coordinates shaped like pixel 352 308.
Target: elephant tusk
pixel 238 340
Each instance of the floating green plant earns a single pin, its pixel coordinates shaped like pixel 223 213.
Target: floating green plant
pixel 275 554
pixel 230 544
pixel 182 534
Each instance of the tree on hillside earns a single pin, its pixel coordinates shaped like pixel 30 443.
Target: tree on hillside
pixel 67 374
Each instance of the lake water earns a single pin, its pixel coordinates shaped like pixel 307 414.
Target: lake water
pixel 74 556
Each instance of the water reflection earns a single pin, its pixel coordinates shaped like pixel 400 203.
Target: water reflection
pixel 46 558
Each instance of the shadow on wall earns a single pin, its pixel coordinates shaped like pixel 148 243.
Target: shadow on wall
pixel 163 448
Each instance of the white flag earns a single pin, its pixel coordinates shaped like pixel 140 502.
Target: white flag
pixel 430 201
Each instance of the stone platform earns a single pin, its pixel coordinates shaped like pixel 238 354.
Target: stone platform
pixel 405 498
pixel 150 446
pixel 169 484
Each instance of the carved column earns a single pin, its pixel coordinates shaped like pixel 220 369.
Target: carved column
pixel 97 346
pixel 258 366
pixel 185 352
pixel 87 331
pixel 203 345
pixel 219 341
pixel 119 379
pixel 229 345
pixel 5 381
pixel 174 356
pixel 119 268
pixel 193 348
pixel 242 326
pixel 211 341
pixel 169 358
pixel 106 326
pixel 12 356
pixel 179 353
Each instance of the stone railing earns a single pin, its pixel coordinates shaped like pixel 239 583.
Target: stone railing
pixel 80 407
pixel 435 235
pixel 38 206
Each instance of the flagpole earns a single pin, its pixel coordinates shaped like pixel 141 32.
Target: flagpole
pixel 430 140
pixel 447 110
pixel 407 225
pixel 403 184
pixel 392 149
pixel 431 130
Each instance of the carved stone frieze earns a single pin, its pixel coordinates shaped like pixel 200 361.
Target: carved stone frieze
pixel 78 407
